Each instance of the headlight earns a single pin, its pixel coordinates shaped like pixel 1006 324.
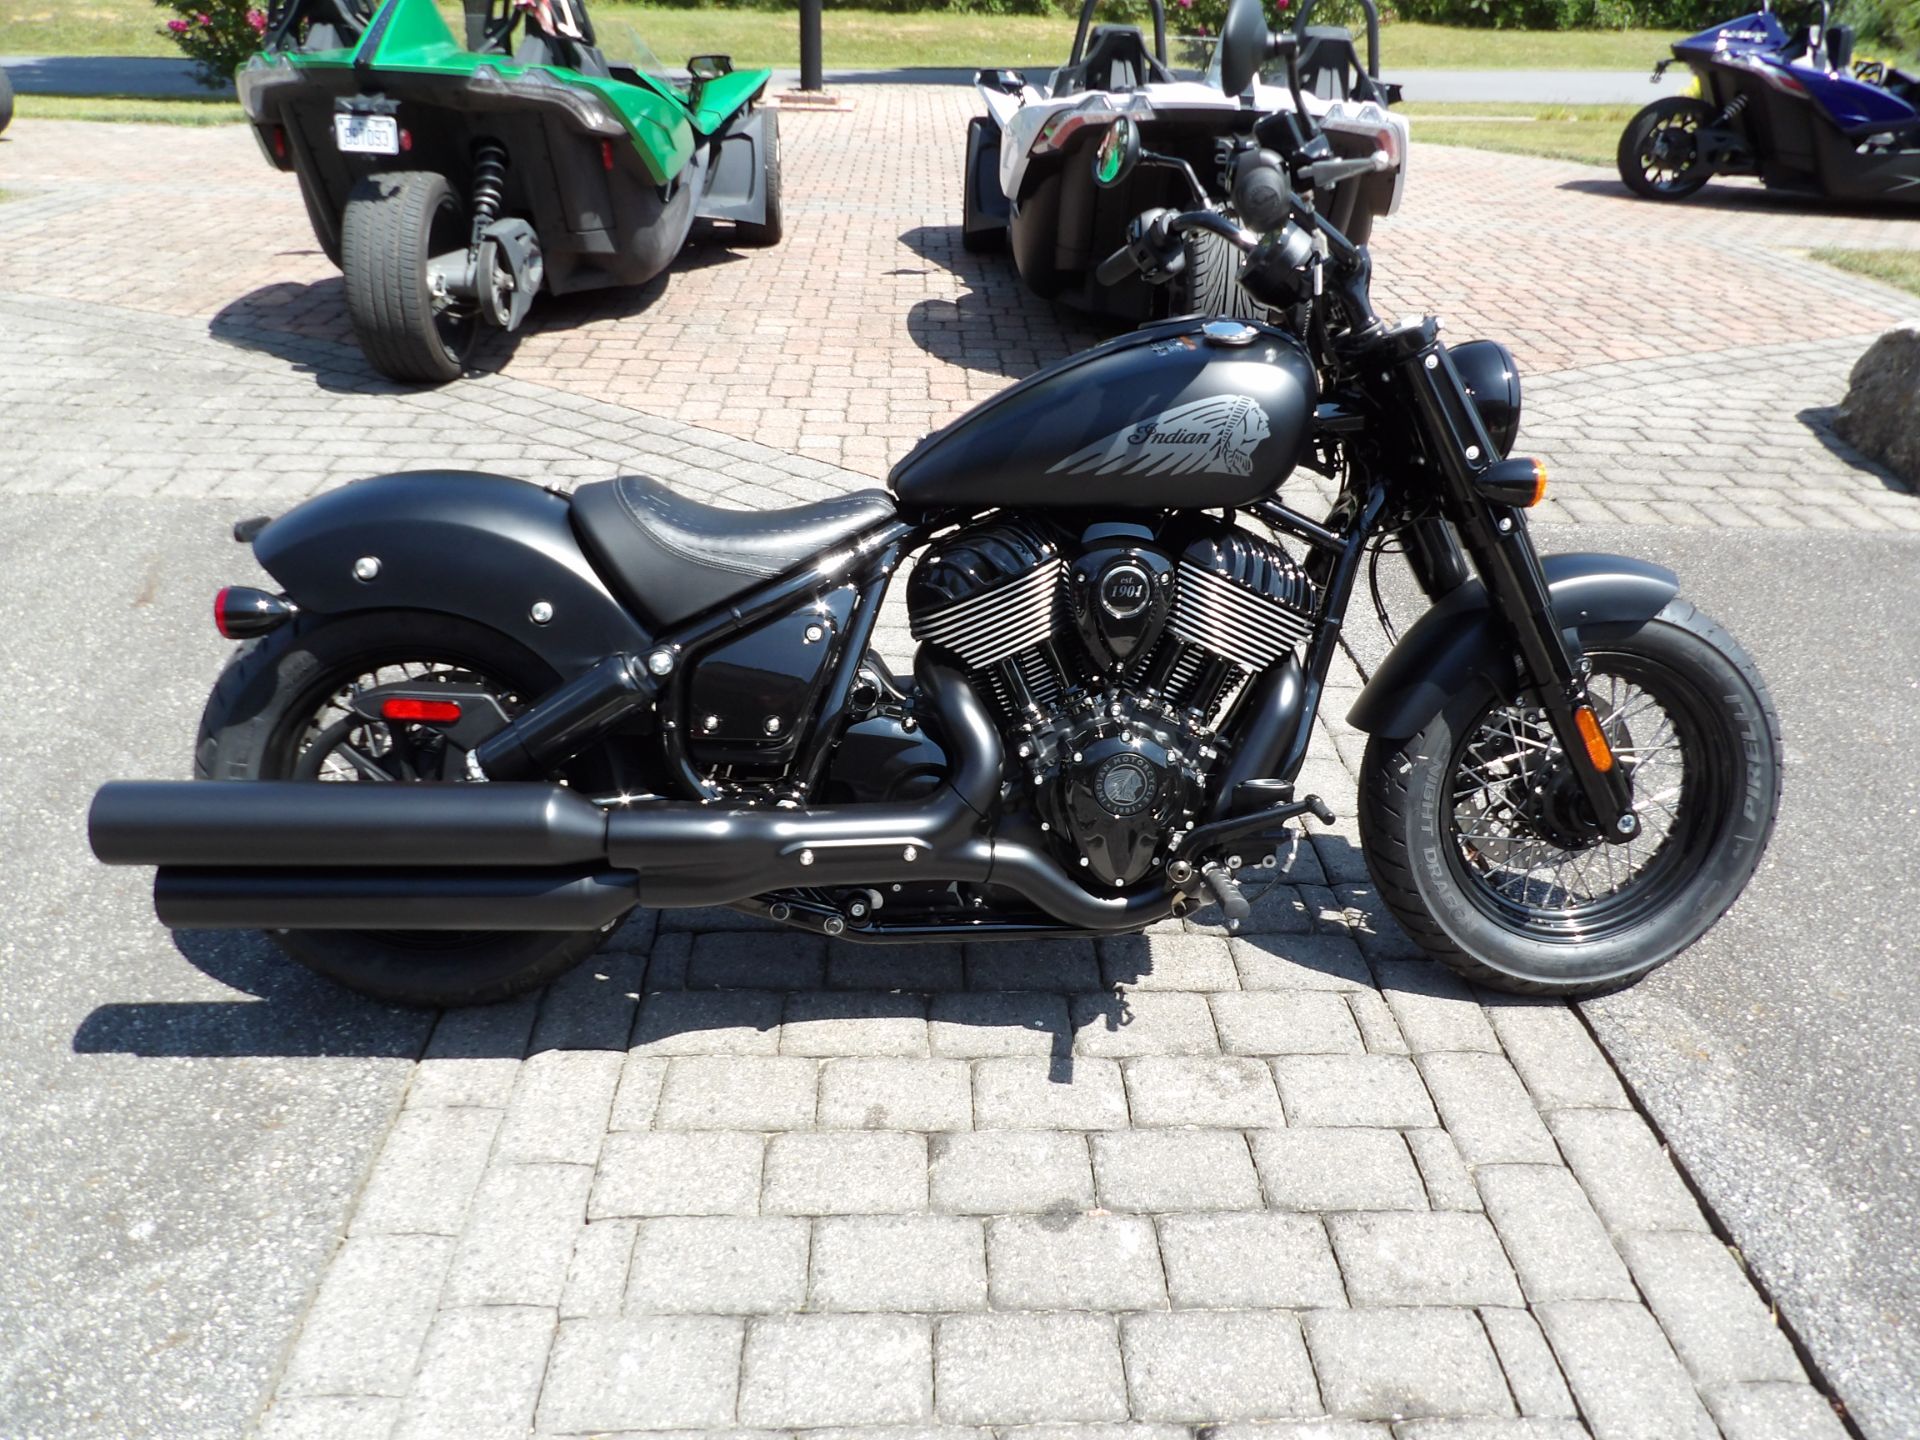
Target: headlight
pixel 1491 377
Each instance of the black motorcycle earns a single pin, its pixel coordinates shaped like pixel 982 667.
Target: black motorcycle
pixel 556 708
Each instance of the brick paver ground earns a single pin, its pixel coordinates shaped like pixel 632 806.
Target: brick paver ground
pixel 726 1180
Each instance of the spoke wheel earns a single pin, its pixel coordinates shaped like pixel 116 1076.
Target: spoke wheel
pixel 1660 154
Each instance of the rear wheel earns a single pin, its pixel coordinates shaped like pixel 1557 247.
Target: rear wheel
pixel 394 224
pixel 769 231
pixel 1482 846
pixel 6 100
pixel 1210 284
pixel 1659 155
pixel 282 711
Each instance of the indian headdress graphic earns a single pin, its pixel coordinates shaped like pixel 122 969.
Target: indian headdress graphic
pixel 1217 434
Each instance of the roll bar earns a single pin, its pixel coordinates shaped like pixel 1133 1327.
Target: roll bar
pixel 1159 29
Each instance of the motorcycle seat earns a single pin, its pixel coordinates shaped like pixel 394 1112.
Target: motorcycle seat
pixel 670 557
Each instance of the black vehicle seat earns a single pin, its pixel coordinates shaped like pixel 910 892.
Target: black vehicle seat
pixel 1327 60
pixel 537 49
pixel 671 557
pixel 1840 48
pixel 1116 59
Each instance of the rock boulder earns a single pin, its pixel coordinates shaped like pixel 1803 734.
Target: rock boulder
pixel 1881 415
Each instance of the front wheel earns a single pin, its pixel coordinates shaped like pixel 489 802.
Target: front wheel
pixel 770 230
pixel 1210 284
pixel 1481 843
pixel 1659 155
pixel 394 224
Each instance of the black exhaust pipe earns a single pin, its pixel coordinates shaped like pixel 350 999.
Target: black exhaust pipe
pixel 497 898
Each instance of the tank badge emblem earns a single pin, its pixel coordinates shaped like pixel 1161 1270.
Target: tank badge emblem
pixel 1217 434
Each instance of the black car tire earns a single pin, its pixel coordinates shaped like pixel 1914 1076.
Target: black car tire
pixel 6 100
pixel 770 230
pixel 1210 284
pixel 1412 844
pixel 262 699
pixel 1630 158
pixel 394 223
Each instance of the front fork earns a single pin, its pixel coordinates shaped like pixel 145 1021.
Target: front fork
pixel 1494 535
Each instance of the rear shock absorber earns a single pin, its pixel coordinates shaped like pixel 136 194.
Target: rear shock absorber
pixel 489 185
pixel 1730 114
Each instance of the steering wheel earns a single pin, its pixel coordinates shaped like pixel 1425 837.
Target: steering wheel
pixel 1870 72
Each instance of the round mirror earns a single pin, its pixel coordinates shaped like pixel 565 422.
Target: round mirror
pixel 1118 152
pixel 1243 45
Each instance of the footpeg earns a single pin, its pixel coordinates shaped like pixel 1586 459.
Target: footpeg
pixel 1226 890
pixel 1318 808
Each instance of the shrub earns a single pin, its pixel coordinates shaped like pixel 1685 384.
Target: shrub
pixel 217 35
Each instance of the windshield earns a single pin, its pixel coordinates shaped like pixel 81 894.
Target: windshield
pixel 622 45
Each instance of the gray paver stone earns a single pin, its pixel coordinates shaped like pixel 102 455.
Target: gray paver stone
pixel 1017 1369
pixel 910 968
pixel 1487 1110
pixel 597 1274
pixel 808 1370
pixel 1337 1169
pixel 1556 1057
pixel 1774 1411
pixel 1491 1429
pixel 1259 1261
pixel 1626 1174
pixel 678 1173
pixel 984 1024
pixel 519 1236
pixel 994 1172
pixel 1074 1262
pixel 1168 962
pixel 474 1055
pixel 1065 966
pixel 559 1109
pixel 1300 962
pixel 638 1097
pixel 1303 1430
pixel 642 1373
pixel 1378 1029
pixel 1435 1009
pixel 833 1022
pixel 718 1265
pixel 1027 1093
pixel 737 1092
pixel 427 1171
pixel 1209 1365
pixel 1366 1090
pixel 1536 1382
pixel 1556 1242
pixel 883 1094
pixel 1401 1364
pixel 1449 1183
pixel 898 1262
pixel 1440 1257
pixel 708 1022
pixel 479 1374
pixel 736 960
pixel 363 1332
pixel 328 1417
pixel 1623 1372
pixel 846 1173
pixel 1281 1022
pixel 1233 1091
pixel 1709 1309
pixel 1148 1022
pixel 1175 1170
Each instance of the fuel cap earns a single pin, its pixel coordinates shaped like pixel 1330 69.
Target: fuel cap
pixel 1229 332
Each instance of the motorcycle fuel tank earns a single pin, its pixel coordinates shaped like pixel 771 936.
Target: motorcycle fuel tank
pixel 1191 414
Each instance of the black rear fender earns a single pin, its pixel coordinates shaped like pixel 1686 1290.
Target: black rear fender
pixel 485 548
pixel 1460 641
pixel 734 188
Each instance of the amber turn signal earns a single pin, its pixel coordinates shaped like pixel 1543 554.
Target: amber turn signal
pixel 1598 750
pixel 1519 481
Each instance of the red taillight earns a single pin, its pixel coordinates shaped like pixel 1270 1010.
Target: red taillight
pixel 279 142
pixel 606 156
pixel 406 140
pixel 220 612
pixel 427 712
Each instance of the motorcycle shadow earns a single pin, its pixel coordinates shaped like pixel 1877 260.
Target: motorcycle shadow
pixel 996 325
pixel 719 982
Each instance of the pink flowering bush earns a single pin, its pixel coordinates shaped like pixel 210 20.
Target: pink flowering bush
pixel 217 35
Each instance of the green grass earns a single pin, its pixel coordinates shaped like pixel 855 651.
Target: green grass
pixel 1896 267
pixel 126 111
pixel 1588 133
pixel 862 38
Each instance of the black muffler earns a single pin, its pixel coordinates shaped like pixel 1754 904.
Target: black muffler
pixel 493 898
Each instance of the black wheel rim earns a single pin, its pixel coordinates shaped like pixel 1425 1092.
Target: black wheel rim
pixel 1670 152
pixel 1519 855
pixel 453 319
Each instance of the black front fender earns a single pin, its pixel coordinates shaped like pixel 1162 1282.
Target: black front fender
pixel 482 547
pixel 1459 641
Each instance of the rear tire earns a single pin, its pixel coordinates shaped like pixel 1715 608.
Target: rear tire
pixel 262 705
pixel 774 227
pixel 1467 892
pixel 1658 156
pixel 395 223
pixel 6 100
pixel 1210 285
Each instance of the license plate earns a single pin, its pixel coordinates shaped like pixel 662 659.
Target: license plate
pixel 367 134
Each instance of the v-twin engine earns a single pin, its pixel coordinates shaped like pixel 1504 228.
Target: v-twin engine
pixel 1113 656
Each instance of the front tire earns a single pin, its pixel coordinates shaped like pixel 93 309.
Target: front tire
pixel 1659 154
pixel 1210 284
pixel 1472 828
pixel 394 224
pixel 275 708
pixel 769 231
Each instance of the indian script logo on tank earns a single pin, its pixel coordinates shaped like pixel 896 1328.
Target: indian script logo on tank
pixel 1217 434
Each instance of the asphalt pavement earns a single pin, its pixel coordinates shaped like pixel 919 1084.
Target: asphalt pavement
pixel 1778 1055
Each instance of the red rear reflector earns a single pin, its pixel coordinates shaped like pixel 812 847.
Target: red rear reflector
pixel 406 140
pixel 220 613
pixel 606 155
pixel 430 712
pixel 279 142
